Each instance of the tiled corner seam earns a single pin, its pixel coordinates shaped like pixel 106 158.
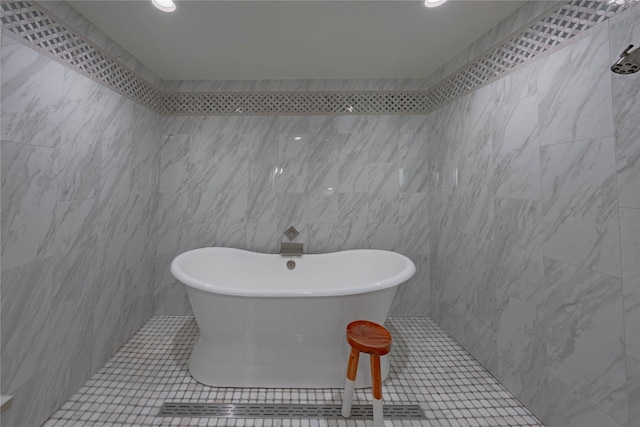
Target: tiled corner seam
pixel 37 28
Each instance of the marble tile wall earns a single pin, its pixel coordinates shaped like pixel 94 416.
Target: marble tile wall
pixel 79 183
pixel 345 182
pixel 519 204
pixel 534 229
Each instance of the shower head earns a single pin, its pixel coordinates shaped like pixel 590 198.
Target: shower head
pixel 628 63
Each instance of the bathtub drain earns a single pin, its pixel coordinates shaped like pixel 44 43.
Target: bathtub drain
pixel 254 410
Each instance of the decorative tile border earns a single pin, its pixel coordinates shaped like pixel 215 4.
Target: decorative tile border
pixel 48 35
pixel 559 26
pixel 44 32
pixel 218 103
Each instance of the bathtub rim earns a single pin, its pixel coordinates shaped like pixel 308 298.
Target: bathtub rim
pixel 388 282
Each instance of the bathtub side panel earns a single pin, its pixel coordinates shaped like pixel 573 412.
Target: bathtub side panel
pixel 280 342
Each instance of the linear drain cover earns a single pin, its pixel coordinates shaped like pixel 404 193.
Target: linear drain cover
pixel 254 410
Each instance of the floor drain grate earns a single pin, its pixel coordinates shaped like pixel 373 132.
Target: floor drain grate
pixel 254 410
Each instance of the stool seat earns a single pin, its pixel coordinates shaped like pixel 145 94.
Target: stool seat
pixel 369 337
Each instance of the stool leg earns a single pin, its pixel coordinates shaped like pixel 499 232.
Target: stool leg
pixel 376 387
pixel 350 382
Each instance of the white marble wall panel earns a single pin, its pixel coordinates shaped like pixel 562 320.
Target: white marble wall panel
pixel 250 178
pixel 585 335
pixel 630 244
pixel 113 278
pixel 122 201
pixel 521 351
pixel 79 187
pixel 31 101
pixel 518 274
pixel 633 387
pixel 412 298
pixel 567 407
pixel 579 204
pixel 515 150
pixel 520 84
pixel 354 155
pixel 626 109
pixel 384 189
pixel 29 195
pixel 412 153
pixel 69 348
pixel 79 153
pixel 22 411
pixel 322 191
pixel 26 300
pixel 518 269
pixel 562 173
pixel 174 163
pixel 76 252
pixel 574 91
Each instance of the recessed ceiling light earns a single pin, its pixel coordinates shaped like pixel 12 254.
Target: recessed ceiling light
pixel 433 3
pixel 164 5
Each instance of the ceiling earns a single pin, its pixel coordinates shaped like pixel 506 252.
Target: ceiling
pixel 255 40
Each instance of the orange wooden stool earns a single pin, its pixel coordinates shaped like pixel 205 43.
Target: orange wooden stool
pixel 366 337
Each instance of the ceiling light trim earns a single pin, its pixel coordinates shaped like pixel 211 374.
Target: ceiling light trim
pixel 164 5
pixel 434 3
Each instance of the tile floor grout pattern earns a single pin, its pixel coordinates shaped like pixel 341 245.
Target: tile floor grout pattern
pixel 428 368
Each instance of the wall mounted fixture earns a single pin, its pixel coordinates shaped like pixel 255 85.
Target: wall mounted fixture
pixel 628 63
pixel 164 5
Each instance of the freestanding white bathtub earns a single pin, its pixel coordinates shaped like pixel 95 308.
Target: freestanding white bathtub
pixel 264 325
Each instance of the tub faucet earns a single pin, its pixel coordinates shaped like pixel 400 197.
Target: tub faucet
pixel 289 248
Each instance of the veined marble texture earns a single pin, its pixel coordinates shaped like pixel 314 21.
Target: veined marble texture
pixel 551 184
pixel 412 155
pixel 322 193
pixel 29 195
pixel 630 244
pixel 32 88
pixel 567 407
pixel 384 188
pixel 517 268
pixel 585 335
pixel 174 164
pixel 79 188
pixel 579 204
pixel 515 149
pixel 518 274
pixel 250 178
pixel 626 109
pixel 76 252
pixel 517 86
pixel 114 278
pixel 352 171
pixel 574 91
pixel 521 352
pixel 633 387
pixel 79 153
pixel 26 301
pixel 462 192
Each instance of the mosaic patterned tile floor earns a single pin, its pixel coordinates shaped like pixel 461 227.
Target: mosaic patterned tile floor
pixel 428 368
